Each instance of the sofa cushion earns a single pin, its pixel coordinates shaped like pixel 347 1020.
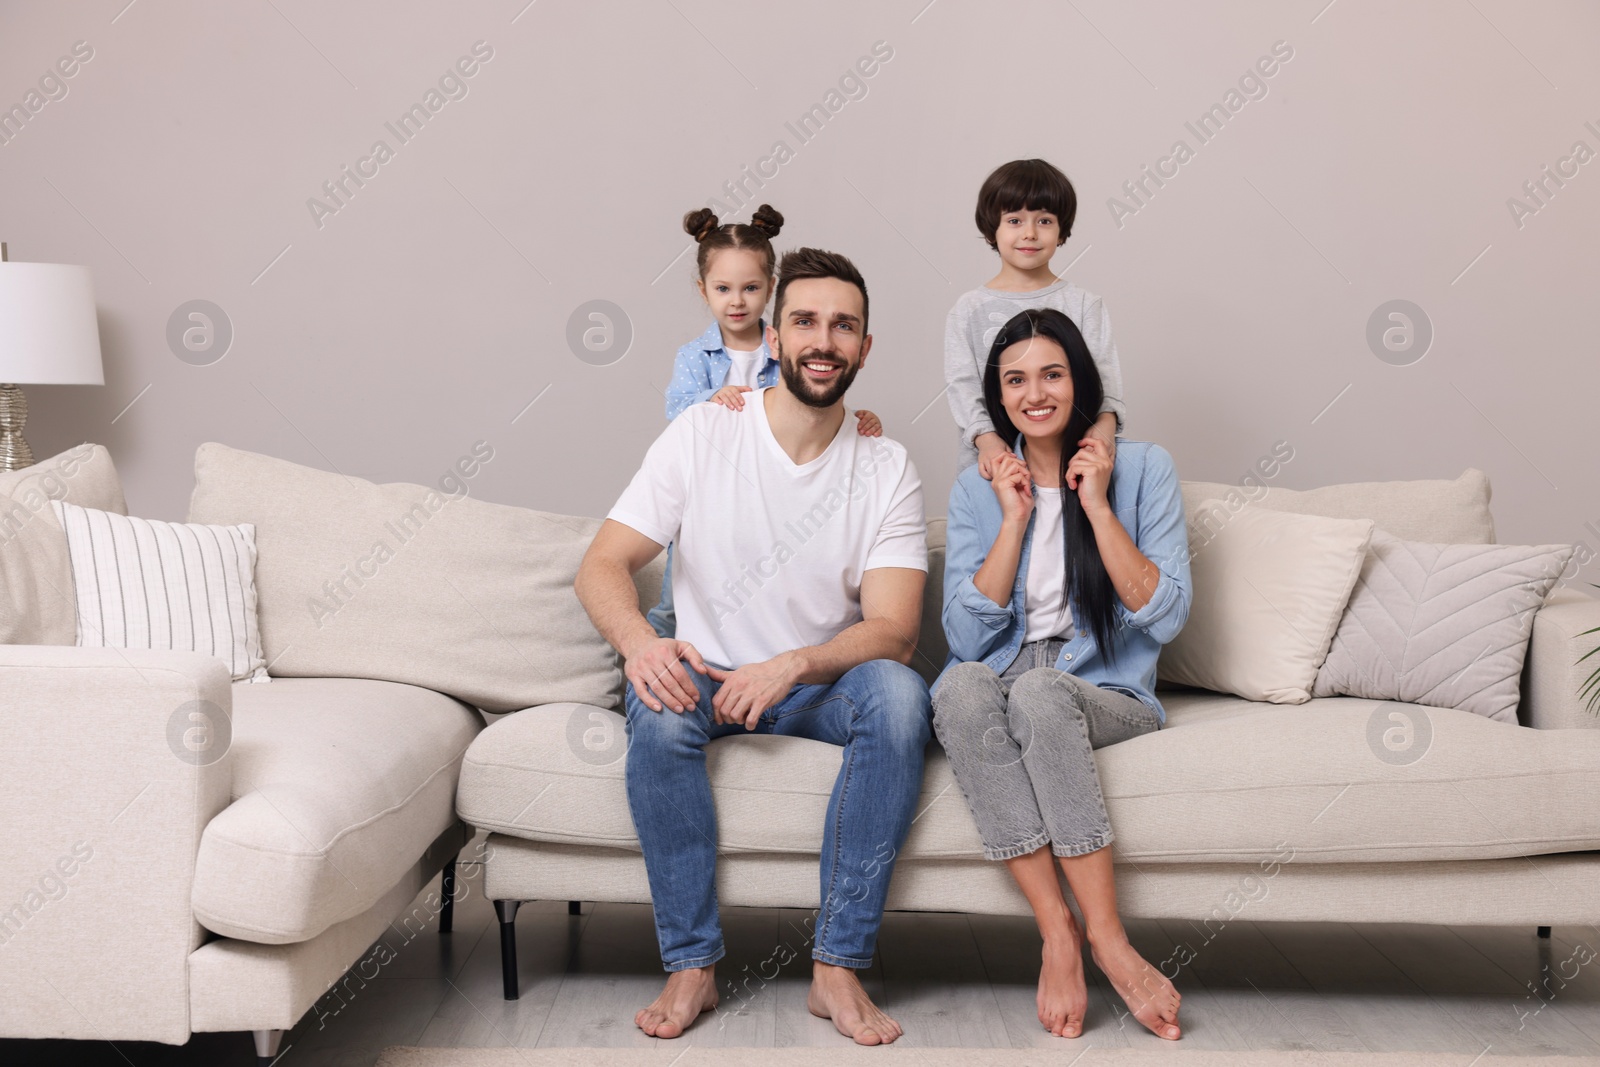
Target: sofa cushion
pixel 36 603
pixel 1227 780
pixel 1269 589
pixel 555 773
pixel 1444 625
pixel 143 583
pixel 360 580
pixel 340 784
pixel 1452 512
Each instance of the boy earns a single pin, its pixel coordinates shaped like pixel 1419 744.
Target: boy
pixel 1025 212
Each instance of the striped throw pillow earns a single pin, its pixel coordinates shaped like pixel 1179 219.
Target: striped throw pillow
pixel 165 585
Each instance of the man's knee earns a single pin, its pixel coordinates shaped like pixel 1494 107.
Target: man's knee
pixel 896 696
pixel 647 725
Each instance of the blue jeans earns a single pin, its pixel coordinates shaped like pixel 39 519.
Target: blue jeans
pixel 879 712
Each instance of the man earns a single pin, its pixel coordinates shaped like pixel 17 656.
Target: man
pixel 798 574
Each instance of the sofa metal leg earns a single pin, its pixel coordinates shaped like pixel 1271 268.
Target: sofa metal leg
pixel 267 1045
pixel 1544 932
pixel 574 907
pixel 506 910
pixel 447 914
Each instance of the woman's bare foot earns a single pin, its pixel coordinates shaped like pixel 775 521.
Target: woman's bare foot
pixel 688 993
pixel 836 994
pixel 1063 996
pixel 1145 990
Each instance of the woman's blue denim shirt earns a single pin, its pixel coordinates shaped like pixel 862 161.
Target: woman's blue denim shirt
pixel 1144 489
pixel 701 368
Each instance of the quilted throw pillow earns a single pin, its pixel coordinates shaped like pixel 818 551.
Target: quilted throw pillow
pixel 165 585
pixel 1443 625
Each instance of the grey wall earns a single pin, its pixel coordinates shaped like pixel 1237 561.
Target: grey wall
pixel 428 311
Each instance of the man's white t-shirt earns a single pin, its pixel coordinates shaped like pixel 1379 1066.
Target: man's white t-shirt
pixel 744 367
pixel 769 555
pixel 1048 615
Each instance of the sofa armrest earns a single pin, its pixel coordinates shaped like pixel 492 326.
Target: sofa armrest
pixel 107 789
pixel 1552 676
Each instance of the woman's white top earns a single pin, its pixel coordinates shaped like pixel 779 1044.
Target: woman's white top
pixel 1048 615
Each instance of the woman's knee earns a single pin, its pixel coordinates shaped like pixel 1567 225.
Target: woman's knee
pixel 964 687
pixel 969 702
pixel 1045 687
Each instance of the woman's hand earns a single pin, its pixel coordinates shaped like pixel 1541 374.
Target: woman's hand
pixel 1089 473
pixel 1013 488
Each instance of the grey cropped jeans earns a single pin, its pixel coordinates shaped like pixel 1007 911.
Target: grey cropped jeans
pixel 1021 745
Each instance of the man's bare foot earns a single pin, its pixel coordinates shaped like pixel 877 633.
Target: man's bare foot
pixel 1145 990
pixel 688 993
pixel 1063 996
pixel 836 994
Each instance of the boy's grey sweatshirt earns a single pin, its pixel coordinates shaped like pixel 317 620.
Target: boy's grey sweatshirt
pixel 971 327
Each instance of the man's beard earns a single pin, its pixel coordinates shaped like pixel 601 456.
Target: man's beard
pixel 805 390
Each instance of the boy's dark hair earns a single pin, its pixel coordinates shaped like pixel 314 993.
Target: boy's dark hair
pixel 1026 185
pixel 816 263
pixel 755 236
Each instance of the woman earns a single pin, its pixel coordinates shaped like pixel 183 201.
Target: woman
pixel 1064 575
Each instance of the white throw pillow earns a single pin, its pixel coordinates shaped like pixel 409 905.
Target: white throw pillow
pixel 165 585
pixel 1444 625
pixel 1269 588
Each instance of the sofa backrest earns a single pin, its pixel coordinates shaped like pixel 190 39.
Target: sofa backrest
pixel 478 601
pixel 36 602
pixel 1440 511
pixel 931 645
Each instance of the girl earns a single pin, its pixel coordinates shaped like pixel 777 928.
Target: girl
pixel 736 273
pixel 1064 575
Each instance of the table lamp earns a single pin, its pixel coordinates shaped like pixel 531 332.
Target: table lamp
pixel 48 336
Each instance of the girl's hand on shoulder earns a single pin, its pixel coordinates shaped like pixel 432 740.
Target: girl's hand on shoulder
pixel 867 424
pixel 1013 488
pixel 729 396
pixel 1089 473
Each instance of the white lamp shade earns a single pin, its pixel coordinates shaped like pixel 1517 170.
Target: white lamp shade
pixel 48 332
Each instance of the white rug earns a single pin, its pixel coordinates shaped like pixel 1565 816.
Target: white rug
pixel 670 1053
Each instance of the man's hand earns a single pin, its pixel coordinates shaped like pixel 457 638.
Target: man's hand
pixel 655 667
pixel 990 446
pixel 753 688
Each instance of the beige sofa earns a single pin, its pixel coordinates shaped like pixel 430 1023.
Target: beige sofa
pixel 1236 810
pixel 166 878
pixel 161 887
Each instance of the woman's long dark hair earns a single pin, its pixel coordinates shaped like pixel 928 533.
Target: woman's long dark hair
pixel 1089 592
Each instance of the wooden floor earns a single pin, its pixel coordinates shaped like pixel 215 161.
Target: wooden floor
pixel 949 980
